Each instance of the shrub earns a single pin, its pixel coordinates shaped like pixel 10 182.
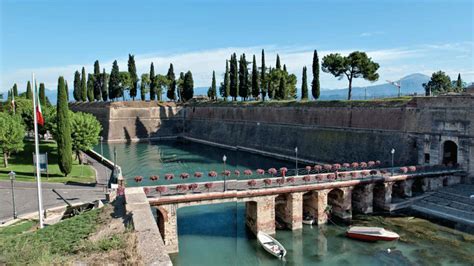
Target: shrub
pixel 146 190
pixel 319 177
pixel 308 169
pixel 363 165
pixel 342 175
pixel 184 175
pixel 138 178
pixel 370 163
pixel 336 167
pixel 306 178
pixel 318 168
pixel 346 165
pixel 290 180
pixel 355 165
pixel 154 177
pixel 169 176
pixel 283 171
pixel 272 171
pixel 226 173
pixel 209 186
pixel 260 171
pixel 161 189
pixel 353 174
pixel 212 174
pixel 193 186
pixel 327 167
pixel 403 170
pixel 252 183
pixel 331 176
pixel 181 188
pixel 373 172
pixel 197 174
pixel 248 172
pixel 237 172
pixel 267 181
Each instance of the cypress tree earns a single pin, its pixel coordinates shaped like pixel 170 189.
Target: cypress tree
pixel 114 81
pixel 104 88
pixel 63 137
pixel 225 86
pixel 315 86
pixel 97 81
pixel 278 64
pixel 76 93
pixel 255 88
pixel 132 69
pixel 282 89
pixel 263 78
pixel 459 86
pixel 180 86
pixel 42 95
pixel 188 86
pixel 90 87
pixel 152 82
pixel 171 92
pixel 15 90
pixel 67 91
pixel 284 68
pixel 83 85
pixel 212 90
pixel 234 78
pixel 243 78
pixel 304 86
pixel 29 92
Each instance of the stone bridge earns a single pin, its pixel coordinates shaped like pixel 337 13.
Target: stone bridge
pixel 286 203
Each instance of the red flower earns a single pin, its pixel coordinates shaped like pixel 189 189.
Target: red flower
pixel 308 168
pixel 327 167
pixel 161 189
pixel 169 176
pixel 342 174
pixel 318 168
pixel 252 183
pixel 237 172
pixel 212 174
pixel 336 166
pixel 354 165
pixel 280 181
pixel 404 170
pixel 272 171
pixel 146 190
pixel 331 176
pixel 138 178
pixel 197 174
pixel 306 178
pixel 248 172
pixel 267 181
pixel 260 171
pixel 283 171
pixel 290 180
pixel 226 173
pixel 154 177
pixel 181 188
pixel 193 186
pixel 209 186
pixel 319 177
pixel 184 175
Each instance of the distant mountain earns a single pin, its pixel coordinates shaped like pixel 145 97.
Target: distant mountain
pixel 410 84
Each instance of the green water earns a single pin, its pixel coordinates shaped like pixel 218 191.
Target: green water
pixel 216 234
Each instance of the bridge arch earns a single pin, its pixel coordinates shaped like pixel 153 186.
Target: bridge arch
pixel 340 202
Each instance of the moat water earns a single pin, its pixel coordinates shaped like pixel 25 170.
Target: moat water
pixel 216 234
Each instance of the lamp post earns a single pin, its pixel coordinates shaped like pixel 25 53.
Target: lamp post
pixel 296 161
pixel 393 153
pixel 224 159
pixel 115 163
pixel 12 178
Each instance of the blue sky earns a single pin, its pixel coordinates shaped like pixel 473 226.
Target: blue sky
pixel 55 38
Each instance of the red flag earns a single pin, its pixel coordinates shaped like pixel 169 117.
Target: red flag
pixel 39 114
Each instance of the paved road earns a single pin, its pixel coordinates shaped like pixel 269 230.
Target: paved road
pixel 26 197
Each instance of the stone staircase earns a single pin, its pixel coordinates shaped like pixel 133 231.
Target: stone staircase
pixel 451 204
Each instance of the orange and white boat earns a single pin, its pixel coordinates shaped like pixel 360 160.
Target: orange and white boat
pixel 371 233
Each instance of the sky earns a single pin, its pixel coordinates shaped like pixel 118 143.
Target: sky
pixel 53 38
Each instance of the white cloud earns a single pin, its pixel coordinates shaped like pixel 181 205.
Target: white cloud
pixel 395 63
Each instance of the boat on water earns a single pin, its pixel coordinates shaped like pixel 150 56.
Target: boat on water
pixel 371 233
pixel 271 245
pixel 308 219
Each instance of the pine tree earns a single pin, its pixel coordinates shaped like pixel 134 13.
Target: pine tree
pixel 83 85
pixel 212 90
pixel 224 89
pixel 114 81
pixel 132 70
pixel 97 81
pixel 234 77
pixel 304 86
pixel 104 89
pixel 243 78
pixel 76 93
pixel 278 64
pixel 171 92
pixel 255 88
pixel 90 87
pixel 15 90
pixel 315 86
pixel 63 137
pixel 29 92
pixel 188 86
pixel 263 78
pixel 42 95
pixel 152 82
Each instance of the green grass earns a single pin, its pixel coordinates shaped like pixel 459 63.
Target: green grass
pixel 17 228
pixel 22 164
pixel 53 244
pixel 382 102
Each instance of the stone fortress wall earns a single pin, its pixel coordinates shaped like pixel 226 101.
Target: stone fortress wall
pixel 417 130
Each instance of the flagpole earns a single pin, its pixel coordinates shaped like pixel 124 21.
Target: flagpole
pixel 38 173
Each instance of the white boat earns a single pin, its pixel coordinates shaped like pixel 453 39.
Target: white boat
pixel 371 233
pixel 309 221
pixel 271 245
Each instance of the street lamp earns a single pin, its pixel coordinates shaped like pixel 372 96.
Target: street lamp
pixel 296 153
pixel 393 153
pixel 224 158
pixel 12 178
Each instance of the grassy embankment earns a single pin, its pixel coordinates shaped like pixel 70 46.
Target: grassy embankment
pixel 92 237
pixel 22 164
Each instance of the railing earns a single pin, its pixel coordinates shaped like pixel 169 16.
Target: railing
pixel 233 184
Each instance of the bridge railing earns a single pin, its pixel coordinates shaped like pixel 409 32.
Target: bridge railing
pixel 279 181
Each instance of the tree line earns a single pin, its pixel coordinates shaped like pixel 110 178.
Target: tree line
pixel 102 86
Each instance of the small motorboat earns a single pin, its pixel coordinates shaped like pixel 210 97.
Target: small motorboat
pixel 271 245
pixel 308 219
pixel 371 233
